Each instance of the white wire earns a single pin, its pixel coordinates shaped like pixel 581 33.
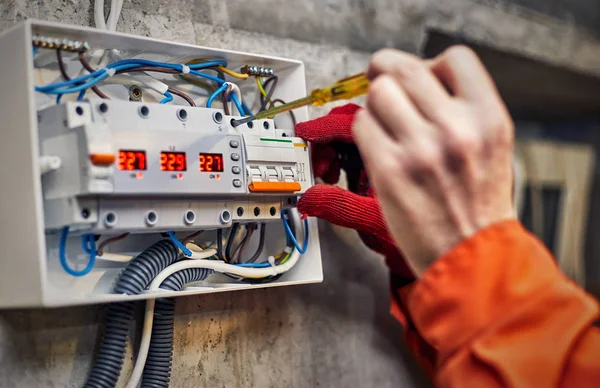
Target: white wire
pixel 235 89
pixel 219 266
pixel 99 14
pixel 115 11
pixel 142 355
pixel 200 263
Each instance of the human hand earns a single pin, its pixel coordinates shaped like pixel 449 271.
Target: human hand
pixel 437 143
pixel 333 149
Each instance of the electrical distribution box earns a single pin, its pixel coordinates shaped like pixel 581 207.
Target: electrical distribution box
pixel 108 167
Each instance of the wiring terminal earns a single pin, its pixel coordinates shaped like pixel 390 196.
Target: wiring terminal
pixel 75 46
pixel 258 71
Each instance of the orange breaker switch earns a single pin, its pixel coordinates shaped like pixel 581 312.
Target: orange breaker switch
pixel 274 187
pixel 102 159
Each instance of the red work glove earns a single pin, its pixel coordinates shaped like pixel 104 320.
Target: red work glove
pixel 333 149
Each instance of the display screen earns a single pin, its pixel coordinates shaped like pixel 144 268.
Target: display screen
pixel 131 160
pixel 211 162
pixel 173 161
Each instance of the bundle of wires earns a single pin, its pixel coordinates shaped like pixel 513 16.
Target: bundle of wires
pixel 159 323
pixel 82 83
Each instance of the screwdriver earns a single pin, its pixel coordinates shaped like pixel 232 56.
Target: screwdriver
pixel 343 89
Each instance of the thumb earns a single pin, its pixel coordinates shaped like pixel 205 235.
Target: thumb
pixel 343 208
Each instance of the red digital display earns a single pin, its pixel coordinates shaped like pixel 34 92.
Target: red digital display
pixel 211 162
pixel 131 160
pixel 173 161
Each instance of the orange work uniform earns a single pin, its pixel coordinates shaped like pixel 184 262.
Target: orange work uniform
pixel 495 311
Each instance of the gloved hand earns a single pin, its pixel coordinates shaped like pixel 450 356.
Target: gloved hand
pixel 333 149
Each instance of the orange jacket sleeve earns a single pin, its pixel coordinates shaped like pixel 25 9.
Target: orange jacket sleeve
pixel 496 311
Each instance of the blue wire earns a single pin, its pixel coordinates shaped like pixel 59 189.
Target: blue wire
pixel 168 98
pixel 254 265
pixel 71 82
pixel 58 97
pixel 207 76
pixel 215 95
pixel 204 65
pixel 35 51
pixel 81 95
pixel 288 231
pixel 237 104
pixel 246 109
pixel 179 245
pixel 86 243
pixel 74 89
pixel 126 64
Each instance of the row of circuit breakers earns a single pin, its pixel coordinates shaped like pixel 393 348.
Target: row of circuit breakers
pixel 123 165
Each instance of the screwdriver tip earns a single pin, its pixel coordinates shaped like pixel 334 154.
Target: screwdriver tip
pixel 238 122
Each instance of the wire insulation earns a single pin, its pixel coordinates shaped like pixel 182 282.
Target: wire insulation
pixel 89 247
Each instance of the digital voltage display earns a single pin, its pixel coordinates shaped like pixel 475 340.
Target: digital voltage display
pixel 132 160
pixel 211 162
pixel 173 161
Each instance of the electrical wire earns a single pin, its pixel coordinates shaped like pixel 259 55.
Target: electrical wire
pixel 233 73
pixel 260 87
pixel 226 94
pixel 179 245
pixel 261 244
pixel 242 245
pixel 293 238
pixel 292 115
pixel 261 270
pixel 266 98
pixel 232 234
pixel 237 104
pixel 181 94
pixel 89 68
pixel 142 355
pixel 168 98
pixel 220 244
pixel 216 94
pixel 108 241
pixel 191 237
pixel 88 246
pixel 75 85
pixel 99 14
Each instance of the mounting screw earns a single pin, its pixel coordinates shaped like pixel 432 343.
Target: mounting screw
pixel 85 213
pixel 135 93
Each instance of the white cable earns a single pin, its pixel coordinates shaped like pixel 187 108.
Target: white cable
pixel 99 14
pixel 140 362
pixel 236 89
pixel 219 266
pixel 210 264
pixel 115 12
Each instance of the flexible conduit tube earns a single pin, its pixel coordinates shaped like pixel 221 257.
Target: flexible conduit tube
pixel 157 372
pixel 133 280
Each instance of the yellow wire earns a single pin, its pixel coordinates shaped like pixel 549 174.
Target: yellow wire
pixel 260 87
pixel 233 73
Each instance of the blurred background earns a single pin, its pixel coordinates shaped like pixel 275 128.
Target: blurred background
pixel 543 54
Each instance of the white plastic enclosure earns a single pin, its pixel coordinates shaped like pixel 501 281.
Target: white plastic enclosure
pixel 30 274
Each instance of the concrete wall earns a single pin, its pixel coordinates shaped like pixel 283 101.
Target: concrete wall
pixel 335 334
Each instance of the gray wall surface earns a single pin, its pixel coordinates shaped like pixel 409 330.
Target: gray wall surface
pixel 334 334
